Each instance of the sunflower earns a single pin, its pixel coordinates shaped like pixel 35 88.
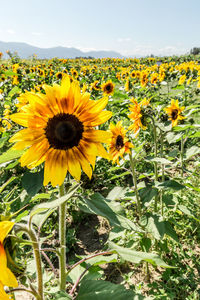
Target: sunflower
pixel 108 88
pixel 7 278
pixel 119 143
pixel 174 112
pixel 137 115
pixel 60 131
pixel 95 85
pixel 59 75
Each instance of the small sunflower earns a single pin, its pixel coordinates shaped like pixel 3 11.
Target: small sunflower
pixel 174 112
pixel 95 85
pixel 108 88
pixel 119 143
pixel 60 131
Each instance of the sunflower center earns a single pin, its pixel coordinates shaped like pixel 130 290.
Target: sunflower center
pixel 64 131
pixel 108 87
pixel 174 114
pixel 119 142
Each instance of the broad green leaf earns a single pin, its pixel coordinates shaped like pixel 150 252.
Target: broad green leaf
pixel 10 155
pixel 32 182
pixel 171 184
pixel 136 256
pixel 160 160
pixel 173 137
pixel 55 203
pixel 116 193
pixel 60 295
pixel 99 290
pixel 192 151
pixel 158 228
pixel 111 210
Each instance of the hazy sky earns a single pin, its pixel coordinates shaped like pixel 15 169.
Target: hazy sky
pixel 131 27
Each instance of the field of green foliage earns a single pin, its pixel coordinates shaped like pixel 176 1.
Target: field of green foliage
pixel 99 178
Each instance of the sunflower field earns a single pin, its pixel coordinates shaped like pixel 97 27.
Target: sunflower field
pixel 99 180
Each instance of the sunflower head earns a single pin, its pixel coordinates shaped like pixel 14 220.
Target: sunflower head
pixel 174 112
pixel 60 131
pixel 138 114
pixel 108 88
pixel 119 144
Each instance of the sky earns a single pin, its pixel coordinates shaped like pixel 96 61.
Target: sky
pixel 130 27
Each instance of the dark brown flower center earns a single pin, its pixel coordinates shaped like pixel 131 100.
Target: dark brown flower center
pixel 64 131
pixel 174 114
pixel 108 87
pixel 119 142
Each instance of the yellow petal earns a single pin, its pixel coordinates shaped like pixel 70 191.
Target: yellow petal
pixel 5 228
pixel 97 135
pixel 73 164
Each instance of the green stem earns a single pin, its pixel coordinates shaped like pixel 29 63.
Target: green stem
pixel 155 162
pixel 62 237
pixel 181 155
pixel 31 233
pixel 132 163
pixel 163 174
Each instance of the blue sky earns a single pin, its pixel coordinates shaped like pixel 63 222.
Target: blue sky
pixel 131 27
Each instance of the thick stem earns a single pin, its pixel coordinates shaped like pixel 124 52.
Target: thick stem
pixel 132 163
pixel 62 237
pixel 31 233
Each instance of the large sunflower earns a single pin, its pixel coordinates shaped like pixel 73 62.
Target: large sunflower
pixel 119 143
pixel 174 112
pixel 60 131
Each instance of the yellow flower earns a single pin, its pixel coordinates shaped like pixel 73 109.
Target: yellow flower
pixel 7 278
pixel 60 131
pixel 119 143
pixel 182 79
pixel 174 112
pixel 137 114
pixel 96 85
pixel 154 78
pixel 108 88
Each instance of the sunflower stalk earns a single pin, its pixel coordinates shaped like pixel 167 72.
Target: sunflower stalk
pixel 62 238
pixel 181 155
pixel 132 163
pixel 163 173
pixel 35 243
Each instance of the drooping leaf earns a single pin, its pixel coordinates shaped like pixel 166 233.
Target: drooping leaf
pixel 136 256
pixel 99 289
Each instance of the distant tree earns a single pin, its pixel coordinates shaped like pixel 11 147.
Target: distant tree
pixel 195 51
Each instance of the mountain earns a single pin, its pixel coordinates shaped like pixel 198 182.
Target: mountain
pixel 25 51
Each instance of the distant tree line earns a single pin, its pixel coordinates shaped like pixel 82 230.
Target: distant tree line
pixel 195 51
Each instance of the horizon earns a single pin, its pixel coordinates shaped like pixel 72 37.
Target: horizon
pixel 133 28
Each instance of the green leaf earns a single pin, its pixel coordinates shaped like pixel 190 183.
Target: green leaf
pixel 111 210
pixel 116 193
pixel 192 151
pixel 173 137
pixel 99 290
pixel 55 203
pixel 158 228
pixel 171 184
pixel 14 90
pixel 10 73
pixel 60 295
pixel 3 140
pixel 136 257
pixel 186 211
pixel 32 182
pixel 6 183
pixel 10 155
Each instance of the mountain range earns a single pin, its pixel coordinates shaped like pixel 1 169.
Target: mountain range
pixel 26 51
